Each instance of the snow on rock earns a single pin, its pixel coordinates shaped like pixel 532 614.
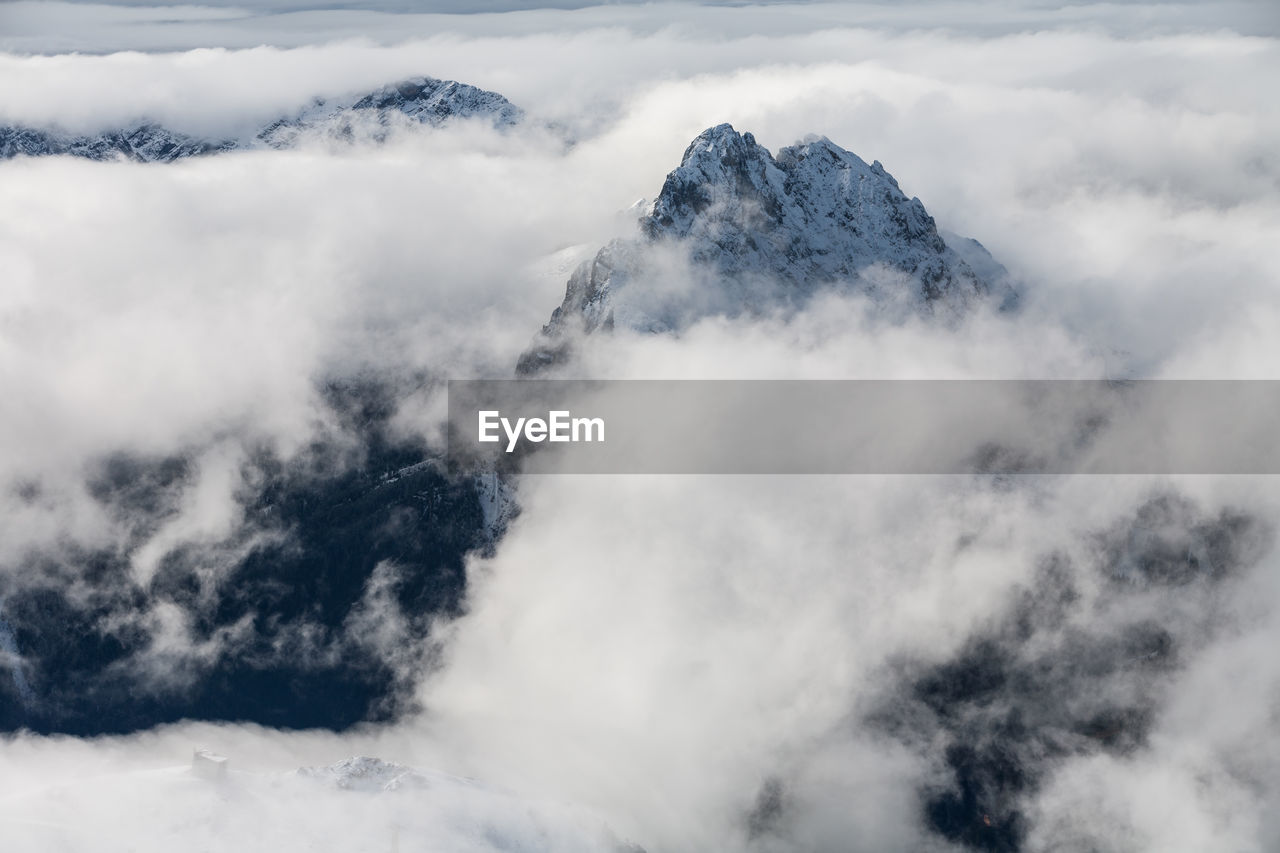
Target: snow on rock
pixel 458 810
pixel 432 101
pixel 363 773
pixel 417 101
pixel 759 233
pixel 145 143
pixel 498 503
pixel 358 805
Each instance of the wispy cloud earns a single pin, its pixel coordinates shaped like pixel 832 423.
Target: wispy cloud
pixel 671 653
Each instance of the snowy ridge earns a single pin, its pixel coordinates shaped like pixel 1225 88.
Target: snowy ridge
pixel 358 805
pixel 373 775
pixel 439 811
pixel 763 232
pixel 414 102
pixel 145 143
pixel 420 100
pixel 498 504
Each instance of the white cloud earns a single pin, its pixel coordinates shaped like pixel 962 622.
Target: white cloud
pixel 654 649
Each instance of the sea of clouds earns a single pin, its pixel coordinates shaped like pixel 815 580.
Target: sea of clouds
pixel 677 662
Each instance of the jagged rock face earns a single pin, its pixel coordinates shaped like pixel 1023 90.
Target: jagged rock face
pixel 1033 688
pixel 817 213
pixel 421 100
pixel 433 101
pixel 764 233
pixel 148 143
pixel 363 773
pixel 282 612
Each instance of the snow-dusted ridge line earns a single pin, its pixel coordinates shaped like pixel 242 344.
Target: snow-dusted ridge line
pixel 762 233
pixel 373 775
pixel 416 101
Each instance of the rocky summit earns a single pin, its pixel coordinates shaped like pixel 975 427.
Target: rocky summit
pixel 753 232
pixel 420 100
pixel 417 101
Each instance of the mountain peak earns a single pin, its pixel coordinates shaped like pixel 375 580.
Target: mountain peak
pixel 417 100
pixel 716 142
pixel 765 232
pixel 719 165
pixel 430 100
pixel 827 214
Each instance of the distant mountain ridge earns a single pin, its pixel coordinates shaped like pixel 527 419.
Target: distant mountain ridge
pixel 416 101
pixel 763 232
pixel 146 143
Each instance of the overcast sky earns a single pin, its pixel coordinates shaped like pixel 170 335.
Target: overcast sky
pixel 51 27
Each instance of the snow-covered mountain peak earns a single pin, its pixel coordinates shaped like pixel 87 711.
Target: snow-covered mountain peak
pixel 412 102
pixel 416 101
pixel 362 773
pixel 430 100
pixel 720 168
pixel 814 214
pixel 762 233
pixel 721 146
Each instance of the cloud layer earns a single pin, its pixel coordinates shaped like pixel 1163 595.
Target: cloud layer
pixel 700 664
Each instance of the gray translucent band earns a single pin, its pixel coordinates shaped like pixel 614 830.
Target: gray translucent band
pixel 866 426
